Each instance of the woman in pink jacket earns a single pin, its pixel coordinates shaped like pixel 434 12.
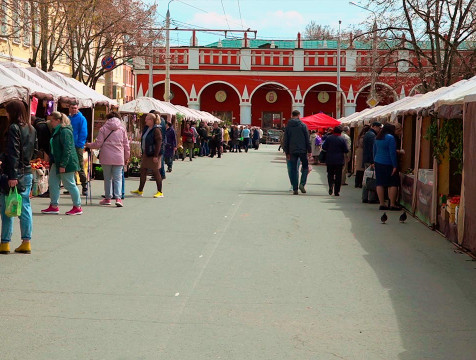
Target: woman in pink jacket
pixel 114 154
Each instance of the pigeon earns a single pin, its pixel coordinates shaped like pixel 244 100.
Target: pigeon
pixel 403 217
pixel 384 218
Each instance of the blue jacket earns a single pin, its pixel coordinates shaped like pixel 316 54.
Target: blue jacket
pixel 80 129
pixel 385 151
pixel 336 147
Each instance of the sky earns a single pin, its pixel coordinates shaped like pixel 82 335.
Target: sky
pixel 273 19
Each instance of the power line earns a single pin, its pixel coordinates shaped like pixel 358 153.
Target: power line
pixel 183 2
pixel 224 13
pixel 239 10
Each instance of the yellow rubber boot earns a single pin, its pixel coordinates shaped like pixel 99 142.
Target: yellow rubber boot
pixel 5 248
pixel 24 248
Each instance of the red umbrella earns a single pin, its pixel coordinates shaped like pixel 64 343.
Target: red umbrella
pixel 319 121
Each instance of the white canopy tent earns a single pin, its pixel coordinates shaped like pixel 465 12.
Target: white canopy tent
pixel 12 90
pixel 144 105
pixel 84 101
pixel 57 92
pixel 33 89
pixel 98 99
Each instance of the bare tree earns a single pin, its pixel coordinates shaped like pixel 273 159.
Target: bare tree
pixel 116 28
pixel 435 37
pixel 315 31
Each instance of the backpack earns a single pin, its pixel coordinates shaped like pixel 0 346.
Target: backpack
pixel 318 141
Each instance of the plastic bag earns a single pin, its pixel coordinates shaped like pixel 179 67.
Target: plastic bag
pixel 368 173
pixel 13 203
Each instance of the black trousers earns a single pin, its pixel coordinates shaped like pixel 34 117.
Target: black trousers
pixel 215 147
pixel 334 177
pixel 359 178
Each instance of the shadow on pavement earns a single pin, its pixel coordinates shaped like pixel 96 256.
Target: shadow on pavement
pixel 431 285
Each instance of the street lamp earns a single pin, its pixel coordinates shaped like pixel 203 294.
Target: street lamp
pixel 167 54
pixel 373 100
pixel 339 97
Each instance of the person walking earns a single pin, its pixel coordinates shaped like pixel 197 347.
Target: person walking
pixel 226 138
pixel 80 132
pixel 256 139
pixel 196 139
pixel 216 141
pixel 203 134
pixel 151 145
pixel 347 157
pixel 359 155
pixel 170 146
pixel 336 148
pixel 187 141
pixel 386 165
pixel 297 146
pixel 114 154
pixel 20 148
pixel 245 134
pixel 64 163
pixel 235 134
pixel 316 142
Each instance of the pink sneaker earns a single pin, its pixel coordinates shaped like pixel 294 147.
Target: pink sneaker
pixel 54 210
pixel 76 210
pixel 105 202
pixel 119 203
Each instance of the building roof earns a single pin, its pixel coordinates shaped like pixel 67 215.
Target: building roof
pixel 320 44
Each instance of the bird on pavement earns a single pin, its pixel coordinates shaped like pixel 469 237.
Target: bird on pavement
pixel 384 218
pixel 403 217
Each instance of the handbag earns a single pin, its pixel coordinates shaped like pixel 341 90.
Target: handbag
pixel 99 153
pixel 371 183
pixel 13 203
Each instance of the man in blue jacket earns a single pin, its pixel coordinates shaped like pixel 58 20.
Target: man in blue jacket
pixel 80 133
pixel 297 146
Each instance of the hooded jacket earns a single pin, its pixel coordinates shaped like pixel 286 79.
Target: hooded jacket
pixel 115 149
pixel 63 153
pixel 80 129
pixel 296 138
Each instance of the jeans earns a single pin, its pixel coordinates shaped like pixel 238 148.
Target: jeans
pixel 69 182
pixel 288 164
pixel 246 144
pixel 169 161
pixel 293 170
pixel 204 148
pixel 334 177
pixel 26 218
pixel 112 174
pixel 81 173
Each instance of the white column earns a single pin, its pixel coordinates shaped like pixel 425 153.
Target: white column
pixel 349 109
pixel 245 113
pixel 299 107
pixel 194 105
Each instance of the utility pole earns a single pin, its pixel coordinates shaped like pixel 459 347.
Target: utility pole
pixel 338 94
pixel 167 56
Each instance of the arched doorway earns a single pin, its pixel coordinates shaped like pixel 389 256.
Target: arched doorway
pixel 321 98
pixel 179 97
pixel 385 94
pixel 221 100
pixel 271 106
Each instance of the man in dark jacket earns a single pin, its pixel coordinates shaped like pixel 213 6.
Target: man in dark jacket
pixel 297 146
pixel 369 195
pixel 336 148
pixel 369 139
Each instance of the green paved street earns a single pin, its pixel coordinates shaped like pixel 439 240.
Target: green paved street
pixel 229 265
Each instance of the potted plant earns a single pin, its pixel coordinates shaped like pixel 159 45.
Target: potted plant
pixel 133 169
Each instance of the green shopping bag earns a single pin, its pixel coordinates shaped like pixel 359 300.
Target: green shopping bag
pixel 13 203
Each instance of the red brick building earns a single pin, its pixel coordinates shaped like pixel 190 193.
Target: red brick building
pixel 260 82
